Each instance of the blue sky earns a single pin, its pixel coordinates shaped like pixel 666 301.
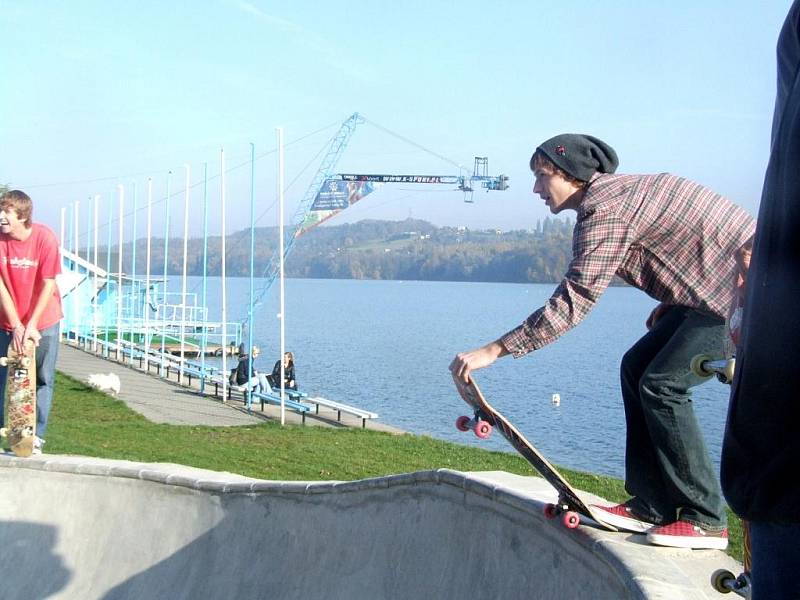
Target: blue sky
pixel 98 94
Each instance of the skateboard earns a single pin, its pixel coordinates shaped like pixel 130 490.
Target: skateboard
pixel 569 505
pixel 723 580
pixel 20 399
pixel 702 365
pixel 705 366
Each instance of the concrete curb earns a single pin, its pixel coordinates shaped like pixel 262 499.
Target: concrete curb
pixel 500 507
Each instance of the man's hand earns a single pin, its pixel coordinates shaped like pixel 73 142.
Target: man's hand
pixel 734 321
pixel 32 333
pixel 657 313
pixel 20 334
pixel 742 256
pixel 466 362
pixel 18 337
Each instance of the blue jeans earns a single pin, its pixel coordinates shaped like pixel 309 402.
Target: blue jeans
pixel 667 468
pixel 776 560
pixel 46 356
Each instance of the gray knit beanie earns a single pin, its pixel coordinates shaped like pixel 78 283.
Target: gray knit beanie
pixel 580 155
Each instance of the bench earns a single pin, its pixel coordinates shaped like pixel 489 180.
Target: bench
pixel 276 400
pixel 340 408
pixel 293 395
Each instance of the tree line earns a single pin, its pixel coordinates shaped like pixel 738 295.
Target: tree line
pixel 372 249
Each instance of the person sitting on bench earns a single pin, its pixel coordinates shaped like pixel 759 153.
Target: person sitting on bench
pixel 256 382
pixel 288 373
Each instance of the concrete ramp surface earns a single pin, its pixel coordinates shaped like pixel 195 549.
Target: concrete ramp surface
pixel 80 528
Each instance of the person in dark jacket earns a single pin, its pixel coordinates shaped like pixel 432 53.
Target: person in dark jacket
pixel 288 373
pixel 761 447
pixel 257 381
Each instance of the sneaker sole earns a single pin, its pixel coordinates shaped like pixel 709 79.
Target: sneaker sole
pixel 693 543
pixel 630 525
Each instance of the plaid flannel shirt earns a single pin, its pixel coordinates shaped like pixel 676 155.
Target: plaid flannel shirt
pixel 668 236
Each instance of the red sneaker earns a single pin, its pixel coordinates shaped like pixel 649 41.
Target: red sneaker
pixel 681 534
pixel 621 517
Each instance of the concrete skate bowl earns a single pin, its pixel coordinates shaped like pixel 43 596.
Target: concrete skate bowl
pixel 82 529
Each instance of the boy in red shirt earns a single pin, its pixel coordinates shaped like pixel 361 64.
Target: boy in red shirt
pixel 30 303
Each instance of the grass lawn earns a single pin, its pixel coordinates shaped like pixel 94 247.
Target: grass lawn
pixel 87 422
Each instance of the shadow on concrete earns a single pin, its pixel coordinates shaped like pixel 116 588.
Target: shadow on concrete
pixel 28 560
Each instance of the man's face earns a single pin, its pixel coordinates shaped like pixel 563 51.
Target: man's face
pixel 557 192
pixel 10 222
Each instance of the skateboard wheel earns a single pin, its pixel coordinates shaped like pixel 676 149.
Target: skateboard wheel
pixel 483 430
pixel 25 361
pixel 3 361
pixel 462 423
pixel 550 511
pixel 571 519
pixel 698 365
pixel 3 432
pixel 726 375
pixel 723 580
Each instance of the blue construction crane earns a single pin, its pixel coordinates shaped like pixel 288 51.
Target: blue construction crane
pixel 467 184
pixel 325 171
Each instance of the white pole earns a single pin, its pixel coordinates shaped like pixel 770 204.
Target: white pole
pixel 75 228
pixel 94 289
pixel 61 252
pixel 280 250
pixel 120 236
pixel 75 294
pixel 223 283
pixel 183 278
pixel 147 273
pixel 63 223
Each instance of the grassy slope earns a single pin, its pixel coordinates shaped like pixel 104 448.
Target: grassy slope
pixel 87 422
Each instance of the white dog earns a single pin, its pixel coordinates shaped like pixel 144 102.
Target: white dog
pixel 108 383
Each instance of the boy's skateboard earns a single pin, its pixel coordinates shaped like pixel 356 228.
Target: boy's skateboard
pixel 486 417
pixel 705 366
pixel 20 399
pixel 723 580
pixel 702 365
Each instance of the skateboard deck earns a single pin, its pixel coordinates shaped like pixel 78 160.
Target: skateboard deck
pixel 20 399
pixel 722 580
pixel 569 503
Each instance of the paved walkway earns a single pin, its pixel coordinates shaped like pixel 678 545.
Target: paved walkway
pixel 163 401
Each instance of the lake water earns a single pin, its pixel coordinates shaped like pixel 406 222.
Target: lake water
pixel 385 346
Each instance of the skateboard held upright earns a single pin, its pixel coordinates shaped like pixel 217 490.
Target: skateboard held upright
pixel 20 398
pixel 569 504
pixel 722 580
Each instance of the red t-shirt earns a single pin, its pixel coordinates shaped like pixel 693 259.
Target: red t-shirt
pixel 23 267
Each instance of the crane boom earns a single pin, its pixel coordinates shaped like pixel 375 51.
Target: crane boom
pixel 334 153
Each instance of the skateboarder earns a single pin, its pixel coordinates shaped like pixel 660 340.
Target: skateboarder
pixel 761 448
pixel 29 297
pixel 675 240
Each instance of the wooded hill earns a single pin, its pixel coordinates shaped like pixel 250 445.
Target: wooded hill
pixel 370 249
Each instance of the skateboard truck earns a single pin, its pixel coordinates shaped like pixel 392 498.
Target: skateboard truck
pixel 725 582
pixel 706 367
pixel 570 518
pixel 481 424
